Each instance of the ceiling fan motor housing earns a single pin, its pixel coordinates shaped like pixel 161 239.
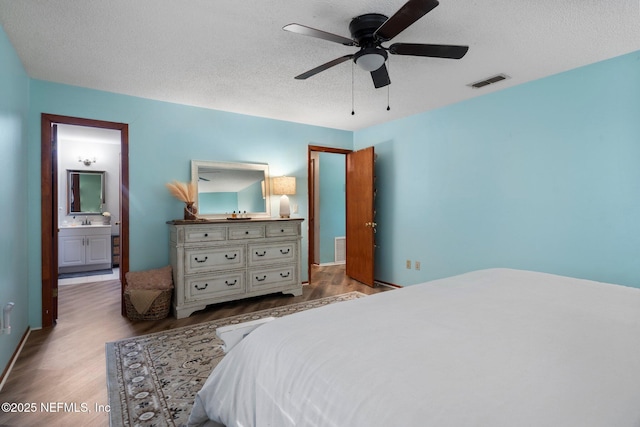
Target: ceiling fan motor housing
pixel 362 28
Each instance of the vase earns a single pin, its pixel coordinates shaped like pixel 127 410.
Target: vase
pixel 190 211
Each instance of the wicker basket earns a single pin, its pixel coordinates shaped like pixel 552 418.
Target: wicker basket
pixel 159 309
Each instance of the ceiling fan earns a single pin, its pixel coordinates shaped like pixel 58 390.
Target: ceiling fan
pixel 370 30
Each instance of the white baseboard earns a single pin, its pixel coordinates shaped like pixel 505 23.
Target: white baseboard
pixel 15 356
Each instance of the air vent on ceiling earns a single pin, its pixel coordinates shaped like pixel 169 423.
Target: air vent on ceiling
pixel 490 80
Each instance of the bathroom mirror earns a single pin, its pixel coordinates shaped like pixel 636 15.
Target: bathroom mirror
pixel 85 192
pixel 227 187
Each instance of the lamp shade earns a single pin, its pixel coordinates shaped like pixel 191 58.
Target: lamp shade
pixel 370 58
pixel 284 185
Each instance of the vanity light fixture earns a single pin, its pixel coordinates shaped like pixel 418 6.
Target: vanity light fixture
pixel 86 161
pixel 284 185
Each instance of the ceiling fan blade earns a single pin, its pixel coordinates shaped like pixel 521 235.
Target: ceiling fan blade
pixel 323 67
pixel 431 50
pixel 404 17
pixel 380 77
pixel 312 32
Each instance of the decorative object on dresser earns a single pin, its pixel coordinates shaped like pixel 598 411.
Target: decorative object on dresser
pixel 218 260
pixel 187 193
pixel 283 186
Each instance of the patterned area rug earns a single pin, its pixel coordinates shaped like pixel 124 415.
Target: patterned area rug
pixel 153 379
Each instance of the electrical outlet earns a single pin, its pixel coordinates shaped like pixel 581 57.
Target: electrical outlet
pixel 417 265
pixel 409 264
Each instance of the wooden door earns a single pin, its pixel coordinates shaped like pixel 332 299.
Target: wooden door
pixel 360 221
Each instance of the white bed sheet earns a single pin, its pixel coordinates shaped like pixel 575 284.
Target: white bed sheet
pixel 492 348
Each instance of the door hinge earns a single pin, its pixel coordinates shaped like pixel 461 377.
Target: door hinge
pixel 54 292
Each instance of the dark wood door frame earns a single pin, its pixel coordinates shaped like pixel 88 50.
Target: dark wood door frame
pixel 311 196
pixel 49 211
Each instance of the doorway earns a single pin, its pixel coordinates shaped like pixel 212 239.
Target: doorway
pixel 315 216
pixel 360 225
pixel 50 207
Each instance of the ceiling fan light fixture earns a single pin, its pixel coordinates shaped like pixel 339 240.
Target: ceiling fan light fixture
pixel 370 59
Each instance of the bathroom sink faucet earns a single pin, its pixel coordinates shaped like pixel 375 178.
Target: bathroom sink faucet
pixel 86 221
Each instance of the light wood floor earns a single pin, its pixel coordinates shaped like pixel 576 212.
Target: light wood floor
pixel 66 363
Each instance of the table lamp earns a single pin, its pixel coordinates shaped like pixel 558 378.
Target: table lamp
pixel 284 185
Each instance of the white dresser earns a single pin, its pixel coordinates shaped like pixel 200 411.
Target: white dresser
pixel 222 260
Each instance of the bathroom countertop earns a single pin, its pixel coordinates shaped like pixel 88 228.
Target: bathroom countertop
pixel 84 226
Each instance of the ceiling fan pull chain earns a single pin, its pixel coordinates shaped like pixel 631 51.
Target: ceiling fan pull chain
pixel 388 86
pixel 353 111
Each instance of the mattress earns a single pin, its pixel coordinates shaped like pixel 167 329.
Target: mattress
pixel 494 347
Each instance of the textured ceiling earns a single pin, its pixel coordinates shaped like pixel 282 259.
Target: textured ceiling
pixel 234 56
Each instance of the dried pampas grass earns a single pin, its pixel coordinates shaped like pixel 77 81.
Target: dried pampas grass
pixel 185 192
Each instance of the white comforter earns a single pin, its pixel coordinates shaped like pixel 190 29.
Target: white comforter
pixel 488 348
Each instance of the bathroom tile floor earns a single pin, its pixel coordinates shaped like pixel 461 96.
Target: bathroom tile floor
pixel 115 275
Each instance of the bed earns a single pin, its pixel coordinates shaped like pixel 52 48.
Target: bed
pixel 494 347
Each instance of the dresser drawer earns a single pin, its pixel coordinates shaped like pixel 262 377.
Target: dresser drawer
pixel 273 277
pixel 246 232
pixel 205 234
pixel 206 287
pixel 210 259
pixel 282 229
pixel 273 252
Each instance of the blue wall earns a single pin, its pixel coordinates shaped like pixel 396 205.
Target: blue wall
pixel 542 176
pixel 163 139
pixel 332 203
pixel 14 276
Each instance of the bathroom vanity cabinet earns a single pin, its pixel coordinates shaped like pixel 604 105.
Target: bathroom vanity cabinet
pixel 84 248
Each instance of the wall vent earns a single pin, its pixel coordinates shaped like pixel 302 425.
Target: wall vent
pixel 490 80
pixel 340 244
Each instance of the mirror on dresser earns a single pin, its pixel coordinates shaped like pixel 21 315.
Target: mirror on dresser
pixel 85 192
pixel 225 187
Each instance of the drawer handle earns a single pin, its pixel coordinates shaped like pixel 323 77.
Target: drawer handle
pixel 285 275
pixel 226 282
pixel 246 232
pixel 201 288
pixel 201 260
pixel 230 257
pixel 261 280
pixel 206 234
pixel 261 254
pixel 282 230
pixel 283 252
